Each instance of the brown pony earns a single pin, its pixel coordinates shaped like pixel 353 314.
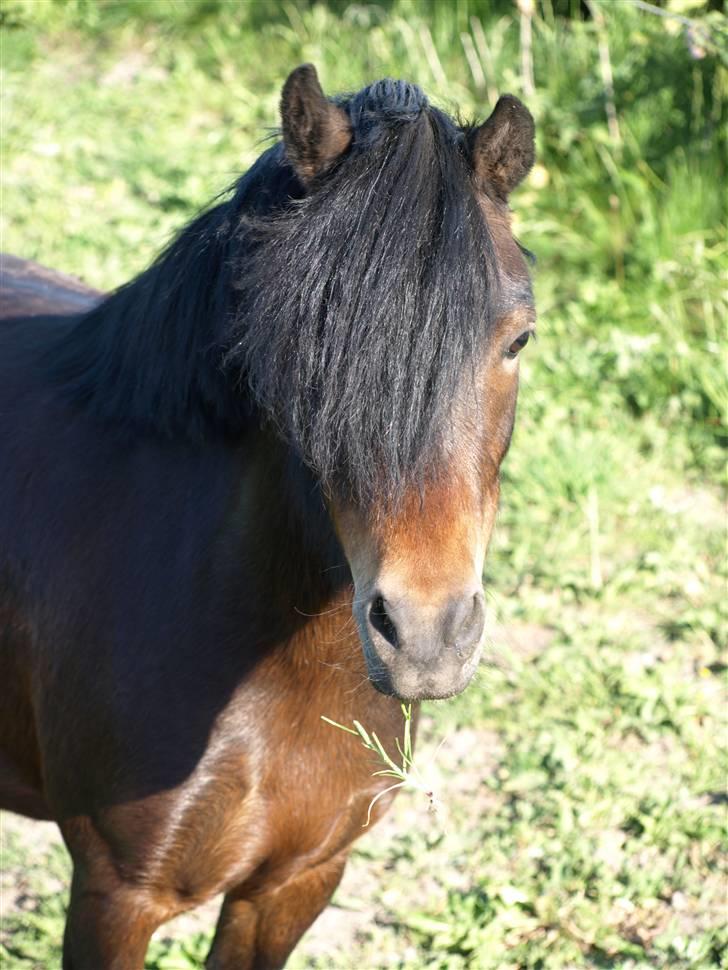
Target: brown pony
pixel 252 487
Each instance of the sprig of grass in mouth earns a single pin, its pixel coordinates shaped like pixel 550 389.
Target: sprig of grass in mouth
pixel 406 773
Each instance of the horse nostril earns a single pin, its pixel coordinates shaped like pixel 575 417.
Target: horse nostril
pixel 467 621
pixel 380 620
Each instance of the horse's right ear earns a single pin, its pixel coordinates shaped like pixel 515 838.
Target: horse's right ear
pixel 315 131
pixel 502 149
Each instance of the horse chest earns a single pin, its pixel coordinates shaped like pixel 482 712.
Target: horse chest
pixel 261 808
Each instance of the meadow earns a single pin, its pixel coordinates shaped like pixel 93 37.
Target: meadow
pixel 582 776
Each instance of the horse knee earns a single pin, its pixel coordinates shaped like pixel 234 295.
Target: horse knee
pixel 260 934
pixel 233 947
pixel 108 926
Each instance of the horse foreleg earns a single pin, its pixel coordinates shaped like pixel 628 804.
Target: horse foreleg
pixel 259 934
pixel 108 926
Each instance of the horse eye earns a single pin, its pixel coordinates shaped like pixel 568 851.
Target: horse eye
pixel 518 344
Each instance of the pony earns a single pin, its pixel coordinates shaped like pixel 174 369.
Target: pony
pixel 251 487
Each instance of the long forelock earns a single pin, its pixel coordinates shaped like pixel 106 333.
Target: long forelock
pixel 364 305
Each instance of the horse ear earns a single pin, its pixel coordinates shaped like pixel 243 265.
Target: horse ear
pixel 315 131
pixel 502 148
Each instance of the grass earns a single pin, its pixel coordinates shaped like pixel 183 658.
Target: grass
pixel 406 775
pixel 583 773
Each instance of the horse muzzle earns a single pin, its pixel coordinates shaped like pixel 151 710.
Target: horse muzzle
pixel 418 652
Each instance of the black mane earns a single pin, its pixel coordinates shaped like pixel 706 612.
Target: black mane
pixel 348 315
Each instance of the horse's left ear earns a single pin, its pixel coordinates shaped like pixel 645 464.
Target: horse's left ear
pixel 315 131
pixel 502 148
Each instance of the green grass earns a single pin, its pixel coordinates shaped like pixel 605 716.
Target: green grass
pixel 583 772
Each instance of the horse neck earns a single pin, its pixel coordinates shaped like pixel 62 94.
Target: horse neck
pixel 297 561
pixel 293 598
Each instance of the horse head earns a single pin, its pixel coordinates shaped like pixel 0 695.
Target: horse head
pixel 384 312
